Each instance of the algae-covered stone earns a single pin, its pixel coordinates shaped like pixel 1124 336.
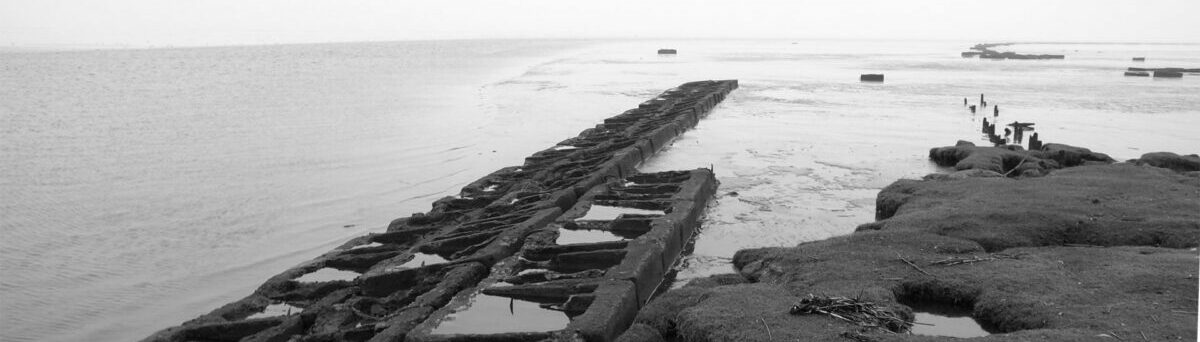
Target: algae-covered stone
pixel 1029 293
pixel 1025 255
pixel 1106 205
pixel 1171 161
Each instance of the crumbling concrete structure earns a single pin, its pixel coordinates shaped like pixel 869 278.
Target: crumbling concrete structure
pixel 575 229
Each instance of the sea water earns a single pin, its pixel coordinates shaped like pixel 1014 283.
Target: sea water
pixel 142 188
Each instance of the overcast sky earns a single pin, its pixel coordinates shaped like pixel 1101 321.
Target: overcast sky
pixel 227 22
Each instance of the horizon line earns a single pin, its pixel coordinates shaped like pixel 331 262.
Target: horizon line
pixel 12 46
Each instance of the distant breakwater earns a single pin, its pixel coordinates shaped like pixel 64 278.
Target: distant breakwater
pixel 985 51
pixel 574 229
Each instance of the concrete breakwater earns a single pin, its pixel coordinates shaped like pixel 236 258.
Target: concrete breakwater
pixel 575 229
pixel 985 51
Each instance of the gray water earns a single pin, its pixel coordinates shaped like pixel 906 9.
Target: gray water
pixel 143 188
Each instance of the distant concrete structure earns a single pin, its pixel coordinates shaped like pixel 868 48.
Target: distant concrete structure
pixel 1167 74
pixel 871 78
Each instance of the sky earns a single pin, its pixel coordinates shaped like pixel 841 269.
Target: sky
pixel 143 23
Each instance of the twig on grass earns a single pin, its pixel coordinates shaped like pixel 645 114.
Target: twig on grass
pixel 951 261
pixel 853 310
pixel 910 263
pixel 764 322
pixel 1018 165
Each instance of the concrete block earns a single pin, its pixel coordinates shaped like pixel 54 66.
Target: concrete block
pixel 612 311
pixel 455 279
pixel 642 266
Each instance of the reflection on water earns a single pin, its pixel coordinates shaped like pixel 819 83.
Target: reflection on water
pixel 327 274
pixel 572 236
pixel 278 309
pixel 936 319
pixel 608 213
pixel 487 314
pixel 424 259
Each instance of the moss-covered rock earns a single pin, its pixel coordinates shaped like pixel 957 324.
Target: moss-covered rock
pixel 1058 293
pixel 1091 252
pixel 1188 163
pixel 1012 160
pixel 1106 205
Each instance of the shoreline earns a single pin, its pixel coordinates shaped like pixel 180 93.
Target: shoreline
pixel 833 175
pixel 1026 255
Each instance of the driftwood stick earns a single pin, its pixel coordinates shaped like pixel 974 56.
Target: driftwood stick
pixel 910 263
pixel 1018 165
pixel 764 322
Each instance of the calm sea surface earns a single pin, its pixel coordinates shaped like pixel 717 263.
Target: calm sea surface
pixel 142 188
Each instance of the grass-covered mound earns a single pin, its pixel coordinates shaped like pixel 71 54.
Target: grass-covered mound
pixel 1107 205
pixel 1032 293
pixel 1087 253
pixel 1014 161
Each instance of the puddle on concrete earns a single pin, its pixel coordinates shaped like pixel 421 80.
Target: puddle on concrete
pixel 607 213
pixel 279 309
pixel 327 274
pixel 573 236
pixel 532 271
pixel 934 319
pixel 424 259
pixel 494 314
pixel 368 245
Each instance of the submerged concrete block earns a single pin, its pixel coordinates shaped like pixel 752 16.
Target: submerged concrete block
pixel 1167 74
pixel 643 266
pixel 871 78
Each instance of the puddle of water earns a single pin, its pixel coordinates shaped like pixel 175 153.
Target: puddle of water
pixel 564 147
pixel 491 188
pixel 494 314
pixel 423 259
pixel 572 236
pixel 532 271
pixel 932 319
pixel 369 245
pixel 607 213
pixel 280 309
pixel 327 274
